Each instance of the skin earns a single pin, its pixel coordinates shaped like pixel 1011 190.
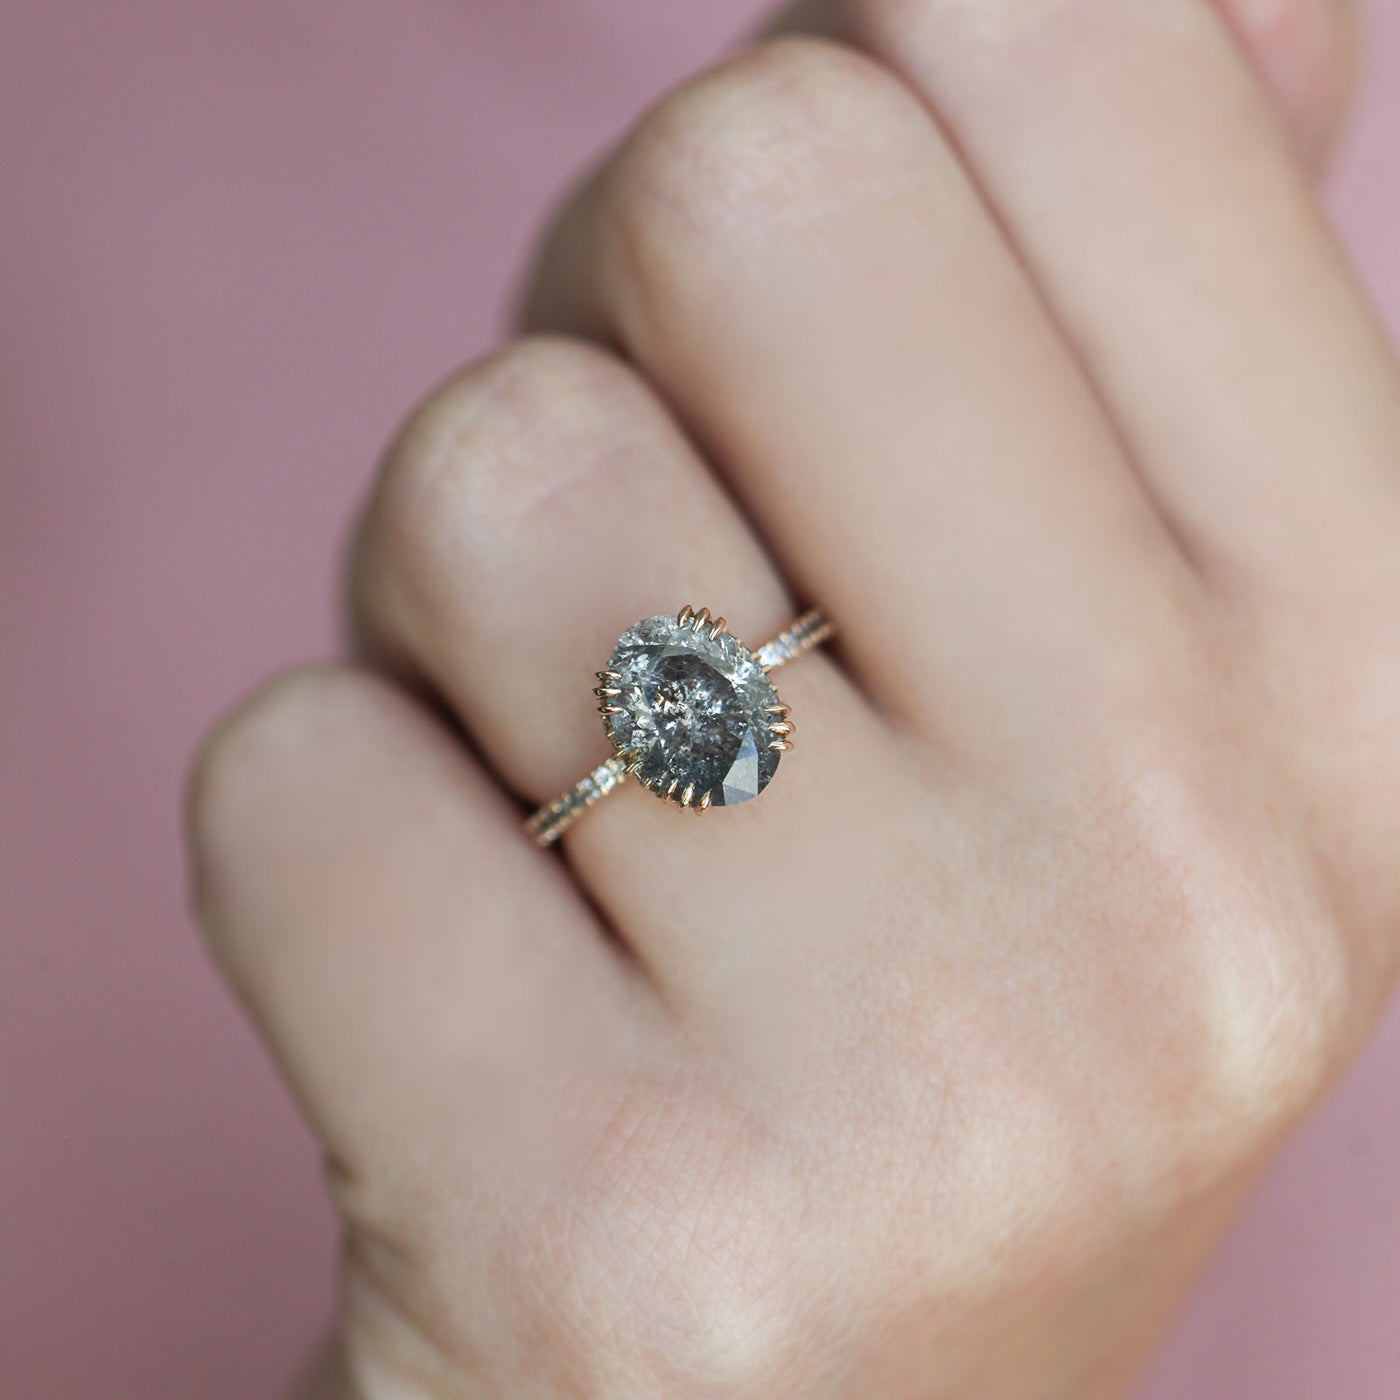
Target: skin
pixel 1010 333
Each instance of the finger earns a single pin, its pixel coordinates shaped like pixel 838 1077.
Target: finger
pixel 1307 53
pixel 533 510
pixel 433 992
pixel 1142 175
pixel 1305 50
pixel 793 252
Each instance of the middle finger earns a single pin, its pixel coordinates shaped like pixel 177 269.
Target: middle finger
pixel 793 252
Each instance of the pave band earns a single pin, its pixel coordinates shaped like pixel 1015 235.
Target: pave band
pixel 810 630
pixel 698 633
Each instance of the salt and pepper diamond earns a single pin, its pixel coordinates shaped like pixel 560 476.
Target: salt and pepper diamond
pixel 692 712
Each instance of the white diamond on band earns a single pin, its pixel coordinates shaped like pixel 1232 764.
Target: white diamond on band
pixel 691 715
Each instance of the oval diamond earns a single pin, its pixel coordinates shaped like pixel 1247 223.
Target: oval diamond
pixel 695 710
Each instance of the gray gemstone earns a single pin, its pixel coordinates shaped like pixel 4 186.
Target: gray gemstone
pixel 695 710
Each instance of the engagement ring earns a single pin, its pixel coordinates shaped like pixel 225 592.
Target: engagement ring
pixel 691 715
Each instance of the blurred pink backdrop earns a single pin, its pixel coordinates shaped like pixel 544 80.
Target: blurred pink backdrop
pixel 236 240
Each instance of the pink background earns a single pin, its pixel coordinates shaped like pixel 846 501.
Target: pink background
pixel 236 239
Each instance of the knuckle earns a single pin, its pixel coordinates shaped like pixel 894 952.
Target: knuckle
pixel 1248 943
pixel 1309 49
pixel 238 749
pixel 1275 1014
pixel 657 1248
pixel 241 763
pixel 1003 42
pixel 907 25
pixel 786 134
pixel 490 444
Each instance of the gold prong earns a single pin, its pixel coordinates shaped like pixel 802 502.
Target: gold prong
pixel 684 616
pixel 688 795
pixel 782 745
pixel 606 691
pixel 704 803
pixel 671 791
pixel 611 710
pixel 719 629
pixel 783 726
pixel 608 677
pixel 783 711
pixel 701 618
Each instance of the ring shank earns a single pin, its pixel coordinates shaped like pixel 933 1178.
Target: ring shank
pixel 810 630
pixel 548 823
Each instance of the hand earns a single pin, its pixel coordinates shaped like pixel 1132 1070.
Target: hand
pixel 1016 342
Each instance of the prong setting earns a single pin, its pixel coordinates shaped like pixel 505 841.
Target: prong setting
pixel 690 712
pixel 697 716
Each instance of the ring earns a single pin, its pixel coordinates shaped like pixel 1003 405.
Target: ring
pixel 691 715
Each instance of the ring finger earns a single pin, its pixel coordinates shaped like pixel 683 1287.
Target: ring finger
pixel 536 507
